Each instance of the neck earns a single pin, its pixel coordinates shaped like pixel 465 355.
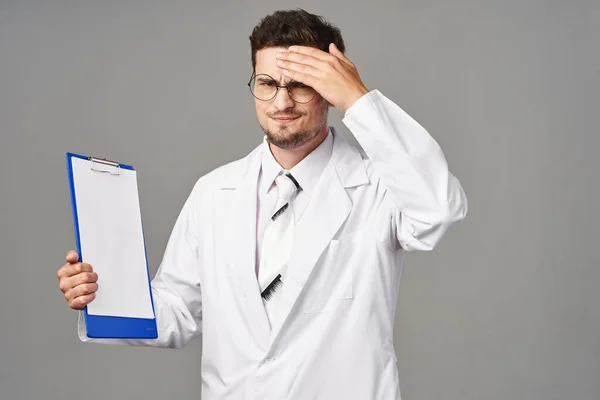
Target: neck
pixel 288 158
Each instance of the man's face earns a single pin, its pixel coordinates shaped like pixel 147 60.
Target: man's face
pixel 287 124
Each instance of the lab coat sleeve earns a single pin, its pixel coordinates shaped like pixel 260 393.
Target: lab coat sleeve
pixel 176 287
pixel 413 171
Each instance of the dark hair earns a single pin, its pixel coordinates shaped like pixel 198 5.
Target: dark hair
pixel 294 27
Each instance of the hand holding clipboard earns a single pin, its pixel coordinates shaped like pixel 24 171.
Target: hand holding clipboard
pixel 77 281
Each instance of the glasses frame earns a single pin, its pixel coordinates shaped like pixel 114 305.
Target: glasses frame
pixel 277 87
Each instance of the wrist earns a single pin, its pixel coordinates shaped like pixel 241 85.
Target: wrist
pixel 355 97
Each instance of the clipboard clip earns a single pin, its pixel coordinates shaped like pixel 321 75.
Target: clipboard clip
pixel 104 161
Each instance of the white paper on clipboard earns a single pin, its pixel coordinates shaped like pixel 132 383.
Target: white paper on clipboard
pixel 112 240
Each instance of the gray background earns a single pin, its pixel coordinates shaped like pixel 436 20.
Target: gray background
pixel 506 307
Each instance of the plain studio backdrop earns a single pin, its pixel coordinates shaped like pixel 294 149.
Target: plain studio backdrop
pixel 506 307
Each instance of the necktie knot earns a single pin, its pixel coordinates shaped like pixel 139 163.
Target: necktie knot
pixel 286 186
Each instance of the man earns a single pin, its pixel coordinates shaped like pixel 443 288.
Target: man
pixel 288 261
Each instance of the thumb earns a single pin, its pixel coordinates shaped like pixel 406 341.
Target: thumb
pixel 334 50
pixel 72 257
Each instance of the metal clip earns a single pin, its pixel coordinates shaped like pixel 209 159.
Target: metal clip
pixel 104 161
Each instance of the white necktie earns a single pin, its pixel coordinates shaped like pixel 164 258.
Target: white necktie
pixel 277 244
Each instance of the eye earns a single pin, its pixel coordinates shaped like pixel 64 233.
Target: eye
pixel 266 83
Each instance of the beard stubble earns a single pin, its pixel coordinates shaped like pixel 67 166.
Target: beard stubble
pixel 288 139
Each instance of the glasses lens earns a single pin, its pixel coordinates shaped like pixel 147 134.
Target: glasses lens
pixel 300 93
pixel 263 87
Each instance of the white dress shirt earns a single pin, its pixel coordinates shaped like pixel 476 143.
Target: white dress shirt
pixel 306 173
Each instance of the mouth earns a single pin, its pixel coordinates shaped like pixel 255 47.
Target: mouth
pixel 285 120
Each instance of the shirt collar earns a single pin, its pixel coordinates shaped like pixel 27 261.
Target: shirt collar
pixel 306 172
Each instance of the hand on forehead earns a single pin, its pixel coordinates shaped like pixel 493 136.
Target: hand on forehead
pixel 266 63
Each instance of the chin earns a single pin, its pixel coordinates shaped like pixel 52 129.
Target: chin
pixel 289 139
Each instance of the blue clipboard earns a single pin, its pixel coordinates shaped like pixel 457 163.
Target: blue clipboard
pixel 101 326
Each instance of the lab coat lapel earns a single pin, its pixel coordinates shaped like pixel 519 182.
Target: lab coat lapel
pixel 241 222
pixel 328 209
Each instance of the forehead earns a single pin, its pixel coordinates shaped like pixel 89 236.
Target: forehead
pixel 266 63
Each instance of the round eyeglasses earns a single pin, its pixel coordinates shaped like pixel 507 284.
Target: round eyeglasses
pixel 265 88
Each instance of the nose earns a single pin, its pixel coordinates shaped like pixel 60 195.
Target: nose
pixel 282 100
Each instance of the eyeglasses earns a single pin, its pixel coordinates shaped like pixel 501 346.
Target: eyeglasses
pixel 265 88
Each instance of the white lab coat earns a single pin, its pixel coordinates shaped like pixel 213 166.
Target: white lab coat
pixel 334 339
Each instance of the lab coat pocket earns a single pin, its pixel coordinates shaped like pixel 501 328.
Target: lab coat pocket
pixel 331 280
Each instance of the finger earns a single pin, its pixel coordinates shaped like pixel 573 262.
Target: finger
pixel 301 77
pixel 68 283
pixel 69 270
pixel 72 257
pixel 322 55
pixel 81 290
pixel 310 51
pixel 298 67
pixel 80 302
pixel 303 59
pixel 333 49
pixel 83 278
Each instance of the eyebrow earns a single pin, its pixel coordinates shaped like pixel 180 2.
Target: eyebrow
pixel 262 78
pixel 265 79
pixel 296 83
